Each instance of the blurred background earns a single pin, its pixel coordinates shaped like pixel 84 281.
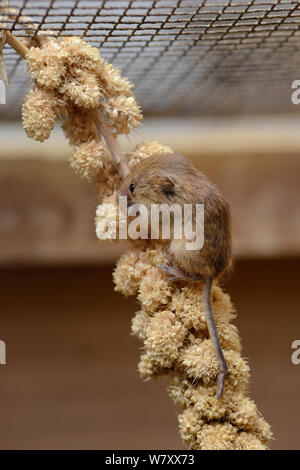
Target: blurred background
pixel 214 79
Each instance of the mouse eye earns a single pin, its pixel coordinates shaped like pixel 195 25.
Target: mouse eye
pixel 131 187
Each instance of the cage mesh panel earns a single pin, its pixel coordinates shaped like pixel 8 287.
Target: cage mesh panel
pixel 185 57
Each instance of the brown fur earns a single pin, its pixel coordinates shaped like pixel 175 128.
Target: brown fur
pixel 152 185
pixel 169 179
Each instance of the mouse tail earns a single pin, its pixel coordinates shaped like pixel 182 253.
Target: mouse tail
pixel 213 333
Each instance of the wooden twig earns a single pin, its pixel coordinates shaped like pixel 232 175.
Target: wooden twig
pixel 3 74
pixel 117 156
pixel 27 23
pixel 13 13
pixel 17 45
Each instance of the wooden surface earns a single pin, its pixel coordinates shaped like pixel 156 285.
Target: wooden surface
pixel 71 382
pixel 47 213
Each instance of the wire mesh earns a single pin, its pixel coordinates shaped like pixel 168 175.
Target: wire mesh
pixel 185 57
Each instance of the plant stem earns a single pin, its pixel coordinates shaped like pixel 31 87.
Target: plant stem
pixel 117 156
pixel 16 44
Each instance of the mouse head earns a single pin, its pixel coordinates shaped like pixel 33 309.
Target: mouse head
pixel 149 183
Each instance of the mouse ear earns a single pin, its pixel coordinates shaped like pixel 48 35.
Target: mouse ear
pixel 167 182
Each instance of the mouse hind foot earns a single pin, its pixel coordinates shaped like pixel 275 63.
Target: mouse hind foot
pixel 177 274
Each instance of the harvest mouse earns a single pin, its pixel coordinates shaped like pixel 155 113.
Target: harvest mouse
pixel 172 179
